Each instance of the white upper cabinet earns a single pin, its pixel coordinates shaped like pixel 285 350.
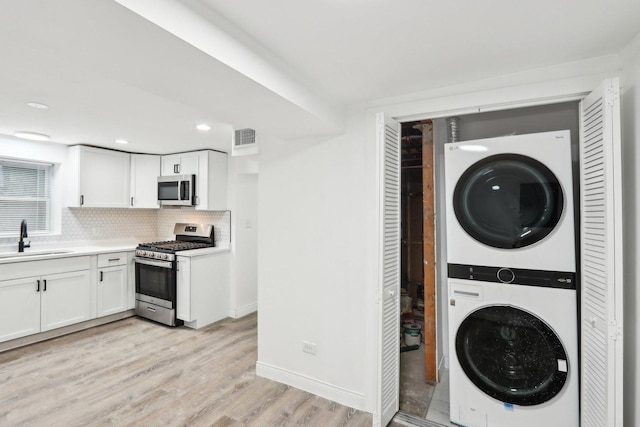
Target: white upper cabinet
pixel 180 164
pixel 211 181
pixel 210 169
pixel 99 178
pixel 145 169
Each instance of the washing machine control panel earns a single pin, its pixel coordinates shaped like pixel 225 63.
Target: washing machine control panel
pixel 513 276
pixel 506 275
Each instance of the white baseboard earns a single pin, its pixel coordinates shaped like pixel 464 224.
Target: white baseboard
pixel 328 391
pixel 244 310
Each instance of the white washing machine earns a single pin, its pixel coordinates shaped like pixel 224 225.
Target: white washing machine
pixel 510 202
pixel 513 354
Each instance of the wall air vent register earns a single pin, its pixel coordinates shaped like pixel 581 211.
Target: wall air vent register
pixel 244 138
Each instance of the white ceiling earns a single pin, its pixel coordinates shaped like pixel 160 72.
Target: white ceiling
pixel 109 73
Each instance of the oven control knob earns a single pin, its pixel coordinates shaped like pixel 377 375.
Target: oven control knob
pixel 163 256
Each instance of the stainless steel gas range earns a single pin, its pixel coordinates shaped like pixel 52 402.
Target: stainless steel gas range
pixel 156 271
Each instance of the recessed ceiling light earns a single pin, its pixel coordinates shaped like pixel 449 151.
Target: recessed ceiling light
pixel 122 141
pixel 203 126
pixel 31 135
pixel 38 105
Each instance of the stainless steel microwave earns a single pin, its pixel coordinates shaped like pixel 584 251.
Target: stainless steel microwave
pixel 177 190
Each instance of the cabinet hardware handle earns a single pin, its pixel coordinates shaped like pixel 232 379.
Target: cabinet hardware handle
pixel 45 285
pixel 114 259
pixel 132 201
pixel 176 168
pixel 151 309
pixel 101 273
pixel 38 288
pixel 81 200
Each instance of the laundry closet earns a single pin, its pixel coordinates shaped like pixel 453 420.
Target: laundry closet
pixel 504 123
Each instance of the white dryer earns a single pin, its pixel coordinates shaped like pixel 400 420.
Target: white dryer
pixel 510 202
pixel 513 354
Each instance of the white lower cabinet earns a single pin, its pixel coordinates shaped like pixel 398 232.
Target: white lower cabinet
pixel 65 299
pixel 112 290
pixel 51 298
pixel 63 291
pixel 19 308
pixel 113 284
pixel 202 289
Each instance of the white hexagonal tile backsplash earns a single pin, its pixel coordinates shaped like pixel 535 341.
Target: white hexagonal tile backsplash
pixel 143 225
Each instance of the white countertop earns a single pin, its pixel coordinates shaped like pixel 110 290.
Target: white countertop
pixel 205 251
pixel 74 249
pixel 62 251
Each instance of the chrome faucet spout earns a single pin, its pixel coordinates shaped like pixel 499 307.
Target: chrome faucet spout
pixel 23 234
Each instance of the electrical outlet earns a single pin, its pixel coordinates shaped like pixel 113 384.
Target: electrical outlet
pixel 309 347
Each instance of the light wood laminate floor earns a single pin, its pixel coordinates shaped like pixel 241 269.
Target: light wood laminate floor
pixel 137 373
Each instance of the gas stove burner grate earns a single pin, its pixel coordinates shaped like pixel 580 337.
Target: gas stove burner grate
pixel 173 245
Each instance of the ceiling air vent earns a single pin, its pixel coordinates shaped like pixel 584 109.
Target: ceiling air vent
pixel 244 138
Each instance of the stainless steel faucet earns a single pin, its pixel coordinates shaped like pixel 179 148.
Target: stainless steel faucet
pixel 23 234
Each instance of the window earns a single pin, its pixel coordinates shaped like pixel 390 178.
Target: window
pixel 25 193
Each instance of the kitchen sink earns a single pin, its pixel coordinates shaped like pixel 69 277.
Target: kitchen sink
pixel 25 254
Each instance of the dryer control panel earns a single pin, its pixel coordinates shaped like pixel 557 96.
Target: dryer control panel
pixel 513 276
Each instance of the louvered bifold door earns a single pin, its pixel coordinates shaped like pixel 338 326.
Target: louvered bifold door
pixel 601 257
pixel 388 148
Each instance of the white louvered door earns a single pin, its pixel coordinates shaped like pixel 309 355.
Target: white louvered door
pixel 388 147
pixel 601 257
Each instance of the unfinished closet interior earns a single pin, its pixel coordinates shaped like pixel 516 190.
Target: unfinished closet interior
pixel 417 303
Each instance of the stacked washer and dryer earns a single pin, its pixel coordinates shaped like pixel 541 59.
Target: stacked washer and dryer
pixel 513 328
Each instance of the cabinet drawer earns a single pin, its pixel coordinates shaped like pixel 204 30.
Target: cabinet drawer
pixel 24 268
pixel 111 259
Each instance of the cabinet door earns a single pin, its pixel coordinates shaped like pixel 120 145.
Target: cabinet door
pixel 112 290
pixel 104 178
pixel 180 164
pixel 66 299
pixel 189 164
pixel 183 291
pixel 170 165
pixel 211 182
pixel 144 180
pixel 19 308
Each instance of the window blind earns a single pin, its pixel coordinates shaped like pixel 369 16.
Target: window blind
pixel 25 193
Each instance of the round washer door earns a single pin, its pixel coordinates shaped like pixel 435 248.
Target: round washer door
pixel 511 355
pixel 508 201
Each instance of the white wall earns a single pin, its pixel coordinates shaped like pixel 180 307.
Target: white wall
pixel 313 264
pixel 318 260
pixel 243 202
pixel 630 83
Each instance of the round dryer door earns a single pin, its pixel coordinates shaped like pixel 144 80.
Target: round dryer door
pixel 511 355
pixel 508 201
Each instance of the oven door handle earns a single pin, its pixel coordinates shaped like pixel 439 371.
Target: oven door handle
pixel 153 262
